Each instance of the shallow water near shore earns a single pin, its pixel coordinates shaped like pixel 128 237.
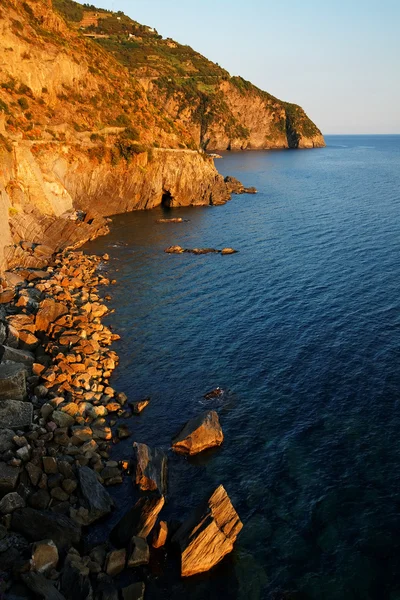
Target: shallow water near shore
pixel 302 328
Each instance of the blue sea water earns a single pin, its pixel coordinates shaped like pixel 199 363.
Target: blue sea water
pixel 302 328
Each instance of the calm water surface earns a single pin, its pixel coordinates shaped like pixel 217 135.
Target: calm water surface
pixel 302 327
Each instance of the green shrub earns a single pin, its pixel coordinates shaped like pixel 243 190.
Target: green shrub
pixel 23 102
pixel 70 10
pixel 121 121
pixel 4 107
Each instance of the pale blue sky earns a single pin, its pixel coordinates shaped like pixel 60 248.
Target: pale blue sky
pixel 338 59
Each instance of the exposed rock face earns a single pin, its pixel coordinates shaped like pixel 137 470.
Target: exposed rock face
pixel 199 433
pixel 208 534
pixel 150 468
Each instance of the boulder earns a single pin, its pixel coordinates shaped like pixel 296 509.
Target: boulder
pixel 37 525
pixel 8 477
pixel 139 552
pixel 98 499
pixel 198 434
pixel 16 414
pixel 115 562
pixel 41 587
pixel 49 311
pixel 160 535
pixel 174 250
pixel 208 534
pixel 135 591
pixel 137 407
pixel 6 439
pixel 75 578
pixel 12 381
pixel 18 356
pixel 150 468
pixel 138 521
pixel 11 502
pixel 228 251
pixel 44 556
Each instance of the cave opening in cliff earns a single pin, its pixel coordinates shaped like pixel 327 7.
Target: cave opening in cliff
pixel 166 200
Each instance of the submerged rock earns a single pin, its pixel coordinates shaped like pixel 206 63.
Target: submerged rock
pixel 138 521
pixel 208 534
pixel 215 393
pixel 174 220
pixel 198 434
pixel 150 468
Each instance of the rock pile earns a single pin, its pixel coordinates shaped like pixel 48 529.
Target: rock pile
pixel 57 409
pixel 234 186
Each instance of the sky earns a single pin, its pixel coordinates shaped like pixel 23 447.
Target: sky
pixel 340 60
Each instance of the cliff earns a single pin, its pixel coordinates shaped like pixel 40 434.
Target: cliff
pixel 101 115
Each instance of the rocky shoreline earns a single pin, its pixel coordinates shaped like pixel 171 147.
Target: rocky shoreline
pixel 59 418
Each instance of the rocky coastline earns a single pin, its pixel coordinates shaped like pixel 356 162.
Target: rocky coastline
pixel 59 418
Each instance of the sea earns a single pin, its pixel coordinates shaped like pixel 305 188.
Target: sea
pixel 301 329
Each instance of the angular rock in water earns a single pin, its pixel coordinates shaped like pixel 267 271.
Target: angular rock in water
pixel 37 525
pixel 203 251
pixel 135 591
pixel 42 587
pixel 12 381
pixel 151 468
pixel 8 477
pixel 160 535
pixel 174 250
pixel 198 434
pixel 208 534
pixel 235 186
pixel 98 499
pixel 11 502
pixel 49 311
pixel 139 552
pixel 18 356
pixel 215 393
pixel 228 251
pixel 141 405
pixel 174 220
pixel 44 556
pixel 138 521
pixel 16 414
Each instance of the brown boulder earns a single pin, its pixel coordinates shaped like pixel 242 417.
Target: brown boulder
pixel 138 521
pixel 49 311
pixel 208 534
pixel 151 468
pixel 198 434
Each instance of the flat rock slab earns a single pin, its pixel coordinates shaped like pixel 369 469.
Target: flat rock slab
pixel 208 534
pixel 180 250
pixel 16 414
pixel 41 587
pixel 150 468
pixel 138 521
pixel 37 525
pixel 12 381
pixel 18 356
pixel 8 477
pixel 98 499
pixel 198 434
